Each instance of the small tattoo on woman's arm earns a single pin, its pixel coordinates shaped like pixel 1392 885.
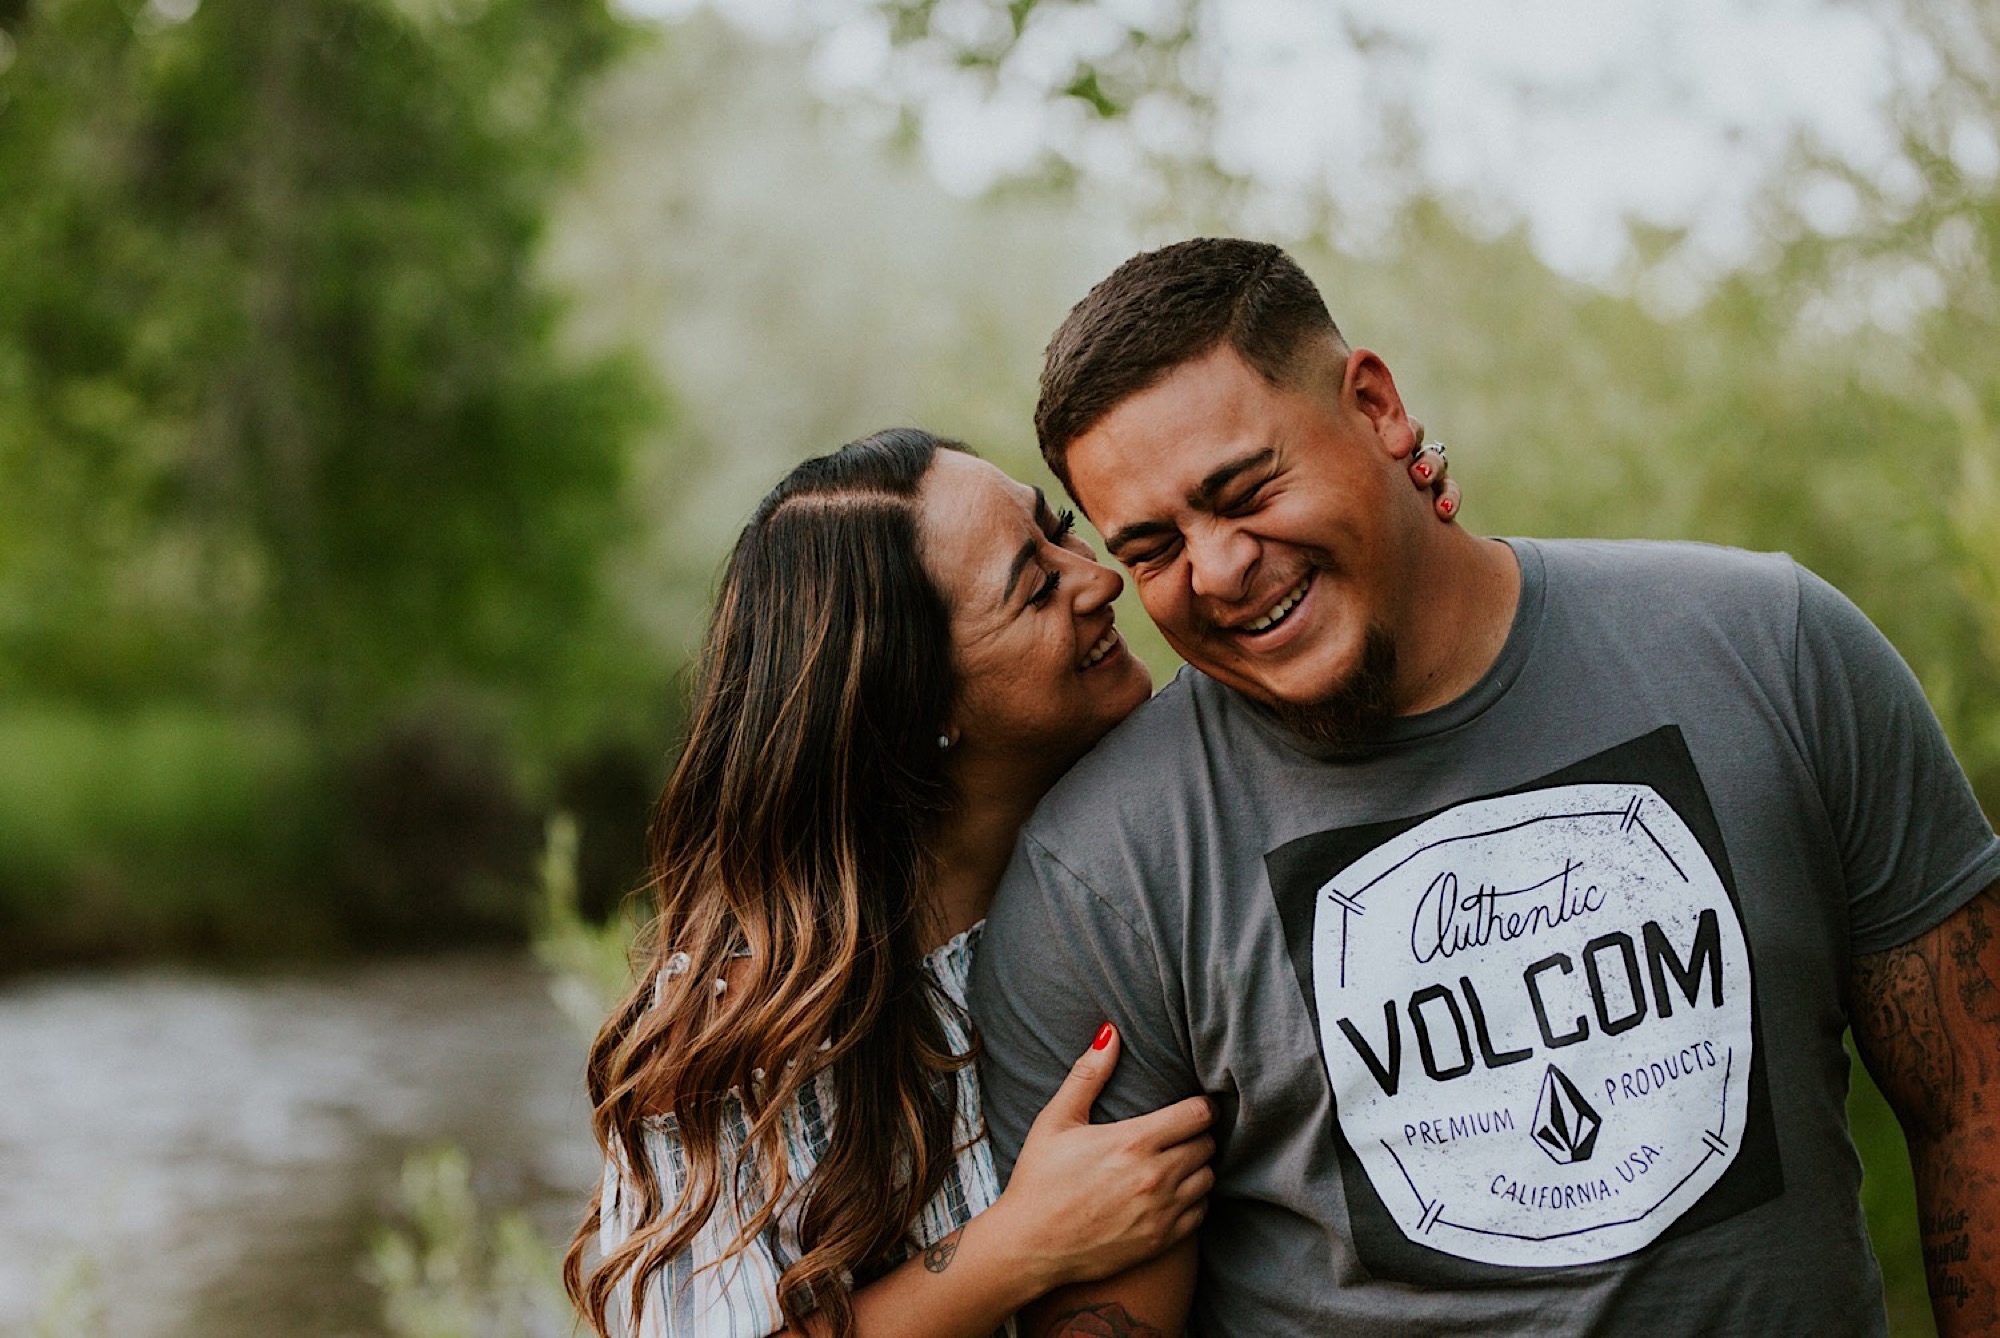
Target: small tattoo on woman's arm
pixel 937 1257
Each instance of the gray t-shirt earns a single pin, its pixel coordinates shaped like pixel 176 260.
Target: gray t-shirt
pixel 1530 1017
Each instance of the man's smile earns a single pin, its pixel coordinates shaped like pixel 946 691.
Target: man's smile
pixel 1276 615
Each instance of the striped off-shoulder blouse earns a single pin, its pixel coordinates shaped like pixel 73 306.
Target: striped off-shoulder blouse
pixel 693 1296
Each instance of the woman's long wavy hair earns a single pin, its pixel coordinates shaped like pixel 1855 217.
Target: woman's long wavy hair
pixel 795 828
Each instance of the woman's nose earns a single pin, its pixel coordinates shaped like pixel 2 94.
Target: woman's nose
pixel 1097 585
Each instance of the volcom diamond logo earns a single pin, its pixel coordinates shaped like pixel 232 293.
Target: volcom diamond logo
pixel 1565 1125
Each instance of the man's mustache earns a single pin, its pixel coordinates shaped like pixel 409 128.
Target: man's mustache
pixel 1317 561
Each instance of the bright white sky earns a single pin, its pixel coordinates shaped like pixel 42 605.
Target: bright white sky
pixel 1570 114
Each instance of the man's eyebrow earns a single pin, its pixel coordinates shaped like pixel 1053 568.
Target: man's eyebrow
pixel 1144 529
pixel 1202 498
pixel 1204 494
pixel 1027 550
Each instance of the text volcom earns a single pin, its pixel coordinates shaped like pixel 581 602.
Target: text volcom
pixel 1451 1029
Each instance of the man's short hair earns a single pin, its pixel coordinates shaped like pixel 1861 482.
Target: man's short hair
pixel 1164 308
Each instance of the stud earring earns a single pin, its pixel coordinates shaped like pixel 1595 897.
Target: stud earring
pixel 944 740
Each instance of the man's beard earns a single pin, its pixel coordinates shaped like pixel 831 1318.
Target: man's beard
pixel 1346 719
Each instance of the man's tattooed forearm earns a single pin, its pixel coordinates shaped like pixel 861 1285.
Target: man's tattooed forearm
pixel 1106 1320
pixel 1926 1019
pixel 1947 1249
pixel 1899 1027
pixel 937 1257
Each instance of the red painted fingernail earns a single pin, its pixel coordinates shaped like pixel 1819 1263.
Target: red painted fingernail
pixel 1446 505
pixel 1103 1037
pixel 1424 473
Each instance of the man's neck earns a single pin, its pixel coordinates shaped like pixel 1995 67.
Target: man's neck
pixel 1464 591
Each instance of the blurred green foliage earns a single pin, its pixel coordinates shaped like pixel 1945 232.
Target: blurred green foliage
pixel 98 803
pixel 588 961
pixel 449 1269
pixel 285 417
pixel 293 467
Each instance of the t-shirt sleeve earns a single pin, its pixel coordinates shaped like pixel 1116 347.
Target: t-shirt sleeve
pixel 1913 840
pixel 1056 962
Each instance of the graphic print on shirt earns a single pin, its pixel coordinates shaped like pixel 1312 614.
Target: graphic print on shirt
pixel 1537 1017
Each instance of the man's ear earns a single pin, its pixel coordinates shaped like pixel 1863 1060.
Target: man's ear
pixel 1369 390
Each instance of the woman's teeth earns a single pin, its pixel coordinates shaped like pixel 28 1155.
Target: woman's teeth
pixel 1280 609
pixel 1102 648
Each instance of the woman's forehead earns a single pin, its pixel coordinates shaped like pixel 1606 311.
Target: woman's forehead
pixel 974 516
pixel 966 492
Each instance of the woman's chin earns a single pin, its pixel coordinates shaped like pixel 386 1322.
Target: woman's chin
pixel 1134 686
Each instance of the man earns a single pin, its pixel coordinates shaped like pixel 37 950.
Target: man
pixel 1509 899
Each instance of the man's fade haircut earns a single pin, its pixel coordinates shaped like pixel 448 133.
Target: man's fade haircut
pixel 1162 309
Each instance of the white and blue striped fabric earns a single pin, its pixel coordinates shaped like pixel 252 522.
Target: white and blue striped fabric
pixel 693 1296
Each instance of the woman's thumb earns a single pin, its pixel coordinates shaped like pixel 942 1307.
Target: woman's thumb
pixel 1086 1079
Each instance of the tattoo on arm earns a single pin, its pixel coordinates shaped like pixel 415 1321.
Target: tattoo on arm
pixel 1973 932
pixel 1106 1320
pixel 1899 1029
pixel 938 1256
pixel 1947 1246
pixel 1926 1019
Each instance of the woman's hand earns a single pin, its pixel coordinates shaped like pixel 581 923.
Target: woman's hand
pixel 1430 471
pixel 1090 1200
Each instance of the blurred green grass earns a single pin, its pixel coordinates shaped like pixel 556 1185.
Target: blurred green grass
pixel 157 824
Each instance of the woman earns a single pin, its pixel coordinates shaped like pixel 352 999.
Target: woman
pixel 907 650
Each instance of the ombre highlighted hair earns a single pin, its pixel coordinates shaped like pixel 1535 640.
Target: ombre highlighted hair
pixel 795 829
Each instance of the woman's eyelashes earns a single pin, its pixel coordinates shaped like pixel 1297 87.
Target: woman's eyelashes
pixel 1060 529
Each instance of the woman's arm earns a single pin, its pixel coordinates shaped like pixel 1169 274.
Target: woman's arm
pixel 964 1286
pixel 1087 1201
pixel 1150 1301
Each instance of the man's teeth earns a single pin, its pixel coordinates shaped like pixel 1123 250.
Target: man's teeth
pixel 1102 648
pixel 1280 609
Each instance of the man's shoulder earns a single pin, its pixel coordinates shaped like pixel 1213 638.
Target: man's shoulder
pixel 1664 583
pixel 1138 767
pixel 1712 566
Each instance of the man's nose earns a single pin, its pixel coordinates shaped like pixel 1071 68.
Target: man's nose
pixel 1221 559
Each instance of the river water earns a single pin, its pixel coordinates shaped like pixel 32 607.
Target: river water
pixel 204 1156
